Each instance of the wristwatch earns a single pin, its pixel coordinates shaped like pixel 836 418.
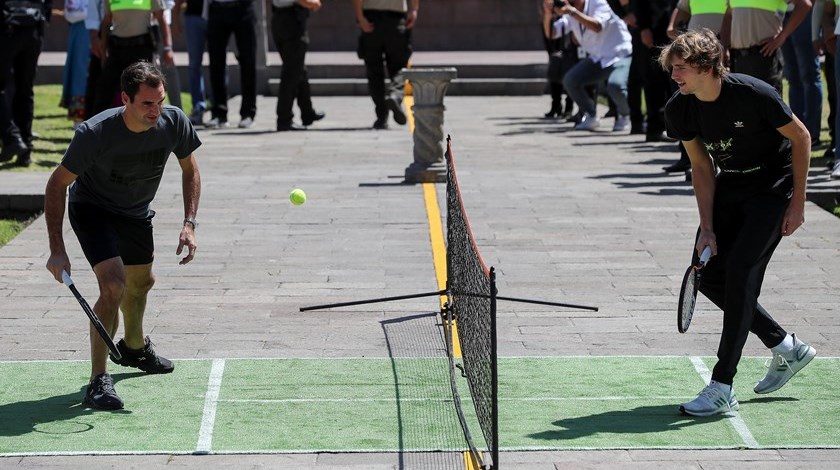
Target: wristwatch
pixel 191 221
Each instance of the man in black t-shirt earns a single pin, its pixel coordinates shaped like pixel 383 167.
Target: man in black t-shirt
pixel 115 163
pixel 749 157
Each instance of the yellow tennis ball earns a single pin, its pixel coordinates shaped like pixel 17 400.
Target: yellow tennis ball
pixel 297 196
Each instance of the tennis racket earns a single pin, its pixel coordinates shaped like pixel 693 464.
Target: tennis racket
pixel 94 320
pixel 688 291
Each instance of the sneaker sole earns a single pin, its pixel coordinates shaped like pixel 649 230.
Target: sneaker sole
pixel 734 407
pixel 91 404
pixel 161 371
pixel 809 356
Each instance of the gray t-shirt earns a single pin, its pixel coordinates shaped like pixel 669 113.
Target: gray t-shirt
pixel 120 170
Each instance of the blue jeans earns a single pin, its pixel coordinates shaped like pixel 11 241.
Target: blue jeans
pixel 196 31
pixel 586 73
pixel 802 71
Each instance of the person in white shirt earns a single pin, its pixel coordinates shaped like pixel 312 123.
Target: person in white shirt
pixel 608 46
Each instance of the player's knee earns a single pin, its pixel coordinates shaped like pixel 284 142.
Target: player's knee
pixel 112 289
pixel 141 285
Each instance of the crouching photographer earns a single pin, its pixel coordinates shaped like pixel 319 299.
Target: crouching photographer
pixel 608 46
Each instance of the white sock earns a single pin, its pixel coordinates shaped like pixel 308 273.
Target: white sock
pixel 785 346
pixel 727 389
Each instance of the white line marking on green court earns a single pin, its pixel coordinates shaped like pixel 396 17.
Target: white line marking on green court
pixel 733 416
pixel 444 400
pixel 211 399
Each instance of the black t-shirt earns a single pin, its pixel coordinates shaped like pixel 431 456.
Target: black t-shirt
pixel 738 129
pixel 121 170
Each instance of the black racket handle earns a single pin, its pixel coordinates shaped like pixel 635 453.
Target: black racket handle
pixel 94 320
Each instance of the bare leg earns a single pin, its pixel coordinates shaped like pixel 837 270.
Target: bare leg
pixel 111 277
pixel 138 282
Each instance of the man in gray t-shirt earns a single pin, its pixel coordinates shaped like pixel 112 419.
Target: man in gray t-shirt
pixel 115 164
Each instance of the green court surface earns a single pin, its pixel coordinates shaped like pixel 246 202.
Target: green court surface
pixel 405 404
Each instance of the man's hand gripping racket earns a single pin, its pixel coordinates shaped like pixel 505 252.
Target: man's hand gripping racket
pixel 688 291
pixel 94 320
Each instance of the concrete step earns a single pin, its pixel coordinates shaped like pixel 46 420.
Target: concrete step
pixel 342 73
pixel 458 87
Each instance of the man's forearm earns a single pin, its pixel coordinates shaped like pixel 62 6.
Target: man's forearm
pixel 191 182
pixel 357 10
pixel 703 181
pixel 586 20
pixel 54 201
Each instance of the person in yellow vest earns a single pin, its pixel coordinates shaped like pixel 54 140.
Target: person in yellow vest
pixel 127 35
pixel 754 31
pixel 385 45
pixel 699 14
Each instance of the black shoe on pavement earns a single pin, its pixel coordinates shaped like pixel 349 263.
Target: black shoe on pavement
pixel 678 167
pixel 310 118
pixel 829 156
pixel 659 137
pixel 381 123
pixel 12 149
pixel 144 359
pixel 396 108
pixel 101 394
pixel 289 127
pixel 24 158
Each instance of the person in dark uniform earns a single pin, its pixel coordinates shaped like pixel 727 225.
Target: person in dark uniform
pixel 21 35
pixel 562 56
pixel 127 38
pixel 749 158
pixel 289 21
pixel 237 18
pixel 386 31
pixel 652 17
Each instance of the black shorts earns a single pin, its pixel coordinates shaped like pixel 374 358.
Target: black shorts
pixel 104 235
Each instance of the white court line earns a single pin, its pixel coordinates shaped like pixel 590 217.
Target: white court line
pixel 373 358
pixel 443 400
pixel 211 399
pixel 733 416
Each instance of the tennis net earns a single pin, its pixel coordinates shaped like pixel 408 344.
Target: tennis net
pixel 472 304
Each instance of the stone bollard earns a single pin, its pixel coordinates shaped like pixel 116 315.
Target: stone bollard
pixel 428 87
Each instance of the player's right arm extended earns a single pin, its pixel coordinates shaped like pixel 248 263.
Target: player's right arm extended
pixel 703 180
pixel 55 196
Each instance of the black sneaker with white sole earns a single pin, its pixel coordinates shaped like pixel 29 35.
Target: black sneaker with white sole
pixel 144 359
pixel 101 393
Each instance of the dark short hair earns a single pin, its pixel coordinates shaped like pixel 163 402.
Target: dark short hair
pixel 140 73
pixel 698 48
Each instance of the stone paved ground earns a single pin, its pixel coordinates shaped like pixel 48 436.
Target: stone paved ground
pixel 565 216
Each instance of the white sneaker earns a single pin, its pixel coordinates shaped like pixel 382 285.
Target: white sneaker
pixel 782 367
pixel 712 400
pixel 216 123
pixel 622 122
pixel 246 123
pixel 588 123
pixel 835 172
